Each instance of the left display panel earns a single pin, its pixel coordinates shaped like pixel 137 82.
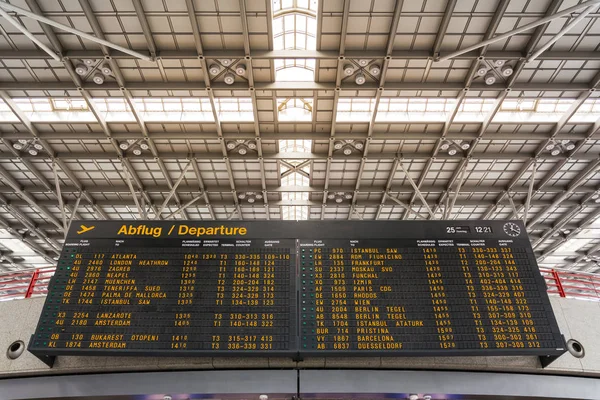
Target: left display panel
pixel 168 288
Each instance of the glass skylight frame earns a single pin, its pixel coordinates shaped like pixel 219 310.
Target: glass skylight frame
pixel 293 213
pixel 294 69
pixel 295 109
pixel 234 109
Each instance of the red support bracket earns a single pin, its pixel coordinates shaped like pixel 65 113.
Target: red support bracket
pixel 32 283
pixel 559 286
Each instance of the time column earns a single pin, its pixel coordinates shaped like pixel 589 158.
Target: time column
pixel 185 301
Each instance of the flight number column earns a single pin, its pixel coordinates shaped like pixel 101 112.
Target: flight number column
pixel 324 298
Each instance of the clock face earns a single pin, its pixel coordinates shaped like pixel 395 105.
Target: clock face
pixel 512 229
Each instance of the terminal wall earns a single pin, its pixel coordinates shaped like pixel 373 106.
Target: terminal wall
pixel 577 319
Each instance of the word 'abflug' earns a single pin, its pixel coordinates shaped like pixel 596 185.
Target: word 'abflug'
pixel 356 288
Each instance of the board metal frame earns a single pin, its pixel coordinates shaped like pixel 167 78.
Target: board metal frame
pixel 303 230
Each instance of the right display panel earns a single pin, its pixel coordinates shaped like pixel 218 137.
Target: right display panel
pixel 460 289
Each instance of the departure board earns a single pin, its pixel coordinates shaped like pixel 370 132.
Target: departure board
pixel 166 289
pixel 297 288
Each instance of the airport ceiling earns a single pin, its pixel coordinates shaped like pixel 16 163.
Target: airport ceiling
pixel 300 109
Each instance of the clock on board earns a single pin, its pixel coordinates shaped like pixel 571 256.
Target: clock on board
pixel 512 229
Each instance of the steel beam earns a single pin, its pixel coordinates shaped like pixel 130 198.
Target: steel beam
pixel 29 35
pixel 583 225
pixel 529 193
pixel 214 156
pixel 583 176
pixel 417 190
pixel 336 97
pixel 382 79
pixel 561 33
pixel 172 191
pixel 269 136
pixel 498 13
pixel 47 21
pixel 250 74
pixel 292 54
pixel 291 86
pixel 208 84
pixel 526 27
pixel 224 189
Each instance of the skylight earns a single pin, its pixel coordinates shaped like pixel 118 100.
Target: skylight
pixel 307 6
pixel 295 28
pixel 295 146
pixel 18 249
pixel 175 108
pixel 295 109
pixel 295 179
pixel 355 109
pixel 295 70
pixel 234 109
pixel 69 104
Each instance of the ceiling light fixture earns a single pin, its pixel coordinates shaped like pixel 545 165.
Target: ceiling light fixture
pixel 81 69
pixel 490 79
pixel 452 147
pixel 251 197
pixel 144 146
pixel 375 69
pixel 106 70
pixel 360 79
pixel 363 62
pixel 568 145
pixel 507 70
pixel 347 151
pixel 229 79
pixel 338 145
pixel 98 79
pixel 499 63
pixel 29 146
pixel 240 69
pixel 241 145
pixel 348 69
pixel 482 70
pixel 556 148
pixel 226 62
pixel 214 69
pixel 88 61
pixel 339 197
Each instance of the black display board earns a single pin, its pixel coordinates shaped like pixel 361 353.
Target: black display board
pixel 297 288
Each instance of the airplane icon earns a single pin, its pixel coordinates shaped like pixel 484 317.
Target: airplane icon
pixel 84 229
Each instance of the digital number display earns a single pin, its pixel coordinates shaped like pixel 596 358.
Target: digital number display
pixel 294 288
